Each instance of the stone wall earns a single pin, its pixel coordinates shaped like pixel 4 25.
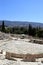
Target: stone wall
pixel 25 57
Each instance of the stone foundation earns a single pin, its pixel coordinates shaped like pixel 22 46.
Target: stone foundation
pixel 25 57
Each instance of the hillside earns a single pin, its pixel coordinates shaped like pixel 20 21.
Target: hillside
pixel 21 23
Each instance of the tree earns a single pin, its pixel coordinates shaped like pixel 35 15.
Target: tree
pixel 40 33
pixel 34 32
pixel 3 26
pixel 30 30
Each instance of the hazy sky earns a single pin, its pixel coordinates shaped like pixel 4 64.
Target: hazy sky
pixel 21 10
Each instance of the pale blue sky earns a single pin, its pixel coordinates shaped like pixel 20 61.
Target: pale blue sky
pixel 21 10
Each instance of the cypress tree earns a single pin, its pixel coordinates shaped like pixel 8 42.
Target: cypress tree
pixel 3 26
pixel 30 30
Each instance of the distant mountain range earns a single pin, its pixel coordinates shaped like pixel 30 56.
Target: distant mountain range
pixel 21 23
